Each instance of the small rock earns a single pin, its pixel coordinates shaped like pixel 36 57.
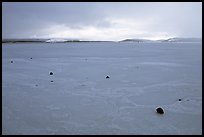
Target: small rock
pixel 107 77
pixel 11 61
pixel 51 81
pixel 36 85
pixel 179 99
pixel 31 58
pixel 160 110
pixel 51 73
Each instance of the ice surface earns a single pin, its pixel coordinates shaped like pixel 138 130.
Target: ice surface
pixel 80 100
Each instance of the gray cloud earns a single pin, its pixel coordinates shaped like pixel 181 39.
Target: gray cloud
pixel 126 19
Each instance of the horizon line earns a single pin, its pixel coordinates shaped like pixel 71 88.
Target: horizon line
pixel 72 39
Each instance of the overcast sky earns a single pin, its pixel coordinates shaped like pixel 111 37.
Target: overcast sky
pixel 101 20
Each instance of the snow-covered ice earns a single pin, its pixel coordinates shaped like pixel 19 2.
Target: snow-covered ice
pixel 80 100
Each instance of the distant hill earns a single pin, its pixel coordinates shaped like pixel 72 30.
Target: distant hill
pixel 38 40
pixel 182 40
pixel 176 39
pixel 54 40
pixel 22 40
pixel 137 40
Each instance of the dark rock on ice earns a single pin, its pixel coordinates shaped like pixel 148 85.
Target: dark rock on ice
pixel 107 77
pixel 160 110
pixel 51 81
pixel 51 73
pixel 12 61
pixel 179 99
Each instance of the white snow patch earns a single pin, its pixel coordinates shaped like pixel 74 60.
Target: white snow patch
pixel 80 100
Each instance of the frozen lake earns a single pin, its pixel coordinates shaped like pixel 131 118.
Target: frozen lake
pixel 80 100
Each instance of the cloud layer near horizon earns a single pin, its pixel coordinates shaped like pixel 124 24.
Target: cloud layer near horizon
pixel 102 21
